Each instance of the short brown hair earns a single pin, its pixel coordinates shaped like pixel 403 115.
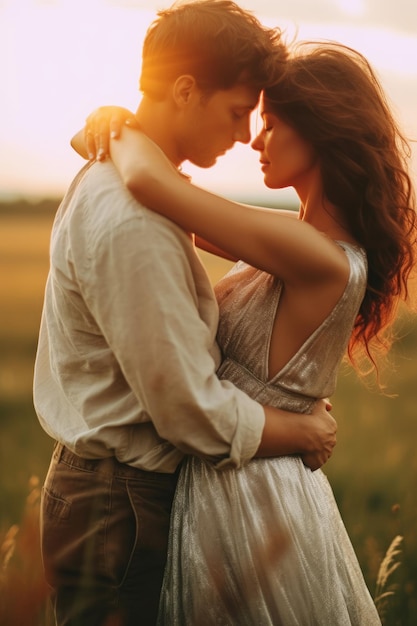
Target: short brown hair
pixel 216 41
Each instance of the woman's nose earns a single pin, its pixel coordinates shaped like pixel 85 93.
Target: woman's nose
pixel 257 143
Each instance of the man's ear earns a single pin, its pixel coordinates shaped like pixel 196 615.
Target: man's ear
pixel 184 88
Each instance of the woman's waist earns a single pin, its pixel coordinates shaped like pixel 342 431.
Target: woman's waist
pixel 278 393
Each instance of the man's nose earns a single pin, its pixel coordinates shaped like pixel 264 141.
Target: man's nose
pixel 243 134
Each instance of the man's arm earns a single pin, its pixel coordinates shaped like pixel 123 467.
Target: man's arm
pixel 163 346
pixel 315 433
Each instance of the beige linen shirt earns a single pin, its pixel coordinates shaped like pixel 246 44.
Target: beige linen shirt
pixel 127 356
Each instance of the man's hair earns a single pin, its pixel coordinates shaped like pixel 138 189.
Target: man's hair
pixel 216 42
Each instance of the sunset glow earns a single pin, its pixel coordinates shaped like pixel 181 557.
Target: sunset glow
pixel 62 58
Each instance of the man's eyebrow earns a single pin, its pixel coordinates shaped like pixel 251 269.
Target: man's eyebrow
pixel 245 107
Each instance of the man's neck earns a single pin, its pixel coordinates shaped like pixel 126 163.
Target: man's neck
pixel 155 120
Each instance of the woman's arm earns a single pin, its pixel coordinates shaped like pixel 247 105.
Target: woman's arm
pixel 275 242
pixel 270 239
pixel 209 247
pixel 92 144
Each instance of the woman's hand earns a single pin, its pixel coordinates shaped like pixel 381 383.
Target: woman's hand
pixel 103 124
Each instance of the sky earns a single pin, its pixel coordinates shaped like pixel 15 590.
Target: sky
pixel 60 59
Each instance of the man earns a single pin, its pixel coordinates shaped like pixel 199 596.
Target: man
pixel 125 371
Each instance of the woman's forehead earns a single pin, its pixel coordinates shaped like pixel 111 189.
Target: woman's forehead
pixel 264 106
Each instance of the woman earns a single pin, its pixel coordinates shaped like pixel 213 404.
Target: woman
pixel 327 281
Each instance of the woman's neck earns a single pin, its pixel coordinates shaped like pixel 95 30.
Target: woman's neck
pixel 317 210
pixel 324 216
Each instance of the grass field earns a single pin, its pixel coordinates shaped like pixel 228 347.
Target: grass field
pixel 373 470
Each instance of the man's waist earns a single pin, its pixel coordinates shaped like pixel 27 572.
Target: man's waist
pixel 135 445
pixel 108 466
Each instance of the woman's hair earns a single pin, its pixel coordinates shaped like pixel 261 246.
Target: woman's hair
pixel 332 97
pixel 215 41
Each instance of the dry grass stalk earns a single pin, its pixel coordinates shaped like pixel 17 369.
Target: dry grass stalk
pixel 384 588
pixel 23 590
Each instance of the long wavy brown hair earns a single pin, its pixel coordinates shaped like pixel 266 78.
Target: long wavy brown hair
pixel 331 95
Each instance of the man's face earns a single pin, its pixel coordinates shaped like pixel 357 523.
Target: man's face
pixel 211 125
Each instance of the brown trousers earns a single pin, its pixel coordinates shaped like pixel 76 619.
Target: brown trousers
pixel 104 532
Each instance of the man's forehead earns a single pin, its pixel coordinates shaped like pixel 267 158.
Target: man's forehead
pixel 243 96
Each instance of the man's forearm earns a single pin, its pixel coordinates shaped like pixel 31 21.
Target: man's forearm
pixel 313 437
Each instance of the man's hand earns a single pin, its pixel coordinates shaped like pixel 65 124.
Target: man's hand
pixel 322 436
pixel 312 437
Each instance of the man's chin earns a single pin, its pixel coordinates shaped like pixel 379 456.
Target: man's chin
pixel 206 162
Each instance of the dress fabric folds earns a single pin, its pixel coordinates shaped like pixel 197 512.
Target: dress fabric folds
pixel 264 545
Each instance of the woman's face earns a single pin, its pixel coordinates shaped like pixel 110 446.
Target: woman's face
pixel 287 160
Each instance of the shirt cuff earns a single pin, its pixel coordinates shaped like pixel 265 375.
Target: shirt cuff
pixel 247 438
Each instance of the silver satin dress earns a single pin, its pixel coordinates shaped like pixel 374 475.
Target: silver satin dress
pixel 265 545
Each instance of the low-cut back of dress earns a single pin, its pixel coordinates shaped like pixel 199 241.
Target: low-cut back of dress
pixel 265 545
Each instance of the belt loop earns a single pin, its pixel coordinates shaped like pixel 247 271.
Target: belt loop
pixel 58 450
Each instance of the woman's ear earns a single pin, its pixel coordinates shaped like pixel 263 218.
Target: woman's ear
pixel 184 88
